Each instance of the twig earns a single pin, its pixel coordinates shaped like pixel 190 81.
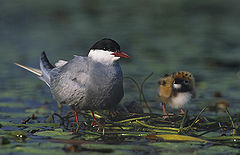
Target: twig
pixel 132 119
pixel 234 130
pixel 140 90
pixel 137 85
pixel 61 118
pixel 155 127
pixel 143 97
pixel 197 118
pixel 183 121
pixel 26 120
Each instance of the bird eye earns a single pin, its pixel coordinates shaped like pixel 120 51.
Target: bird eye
pixel 104 49
pixel 164 83
pixel 186 82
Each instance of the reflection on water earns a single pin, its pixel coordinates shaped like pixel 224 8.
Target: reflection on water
pixel 161 37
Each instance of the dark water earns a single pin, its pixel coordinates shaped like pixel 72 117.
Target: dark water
pixel 161 37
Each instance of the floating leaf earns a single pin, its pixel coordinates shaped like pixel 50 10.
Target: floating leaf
pixel 31 125
pixel 12 104
pixel 172 137
pixel 224 138
pixel 15 114
pixel 41 110
pixel 57 133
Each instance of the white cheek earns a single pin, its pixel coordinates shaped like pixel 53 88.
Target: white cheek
pixel 116 58
pixel 102 56
pixel 177 86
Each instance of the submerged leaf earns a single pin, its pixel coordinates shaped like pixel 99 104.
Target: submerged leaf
pixel 4 140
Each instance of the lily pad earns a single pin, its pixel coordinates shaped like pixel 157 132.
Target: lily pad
pixel 57 133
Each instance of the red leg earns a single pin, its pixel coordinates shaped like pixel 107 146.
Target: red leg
pixel 76 117
pixel 164 109
pixel 94 119
pixel 181 111
pixel 165 115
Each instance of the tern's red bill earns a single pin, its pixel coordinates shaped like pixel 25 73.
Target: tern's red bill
pixel 120 54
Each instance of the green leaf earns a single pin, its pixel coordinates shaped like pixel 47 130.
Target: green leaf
pixel 31 125
pixel 57 133
pixel 172 137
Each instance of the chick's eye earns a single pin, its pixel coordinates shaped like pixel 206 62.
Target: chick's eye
pixel 186 82
pixel 164 83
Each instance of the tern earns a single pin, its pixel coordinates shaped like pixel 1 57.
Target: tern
pixel 85 83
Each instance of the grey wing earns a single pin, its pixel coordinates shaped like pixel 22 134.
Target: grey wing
pixel 60 63
pixel 68 82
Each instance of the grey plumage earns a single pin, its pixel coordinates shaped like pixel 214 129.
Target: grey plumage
pixel 45 67
pixel 86 83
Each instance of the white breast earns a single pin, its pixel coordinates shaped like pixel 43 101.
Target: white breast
pixel 179 100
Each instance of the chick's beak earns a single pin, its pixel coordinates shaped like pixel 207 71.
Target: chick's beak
pixel 120 54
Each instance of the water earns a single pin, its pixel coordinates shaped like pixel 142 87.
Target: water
pixel 160 36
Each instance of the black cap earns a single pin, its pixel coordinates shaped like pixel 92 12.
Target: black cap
pixel 106 45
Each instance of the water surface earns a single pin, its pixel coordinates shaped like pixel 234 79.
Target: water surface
pixel 161 37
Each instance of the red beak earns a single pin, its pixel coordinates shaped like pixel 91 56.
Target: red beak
pixel 120 54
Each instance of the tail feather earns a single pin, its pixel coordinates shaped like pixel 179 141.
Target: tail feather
pixel 44 62
pixel 33 70
pixel 30 69
pixel 46 67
